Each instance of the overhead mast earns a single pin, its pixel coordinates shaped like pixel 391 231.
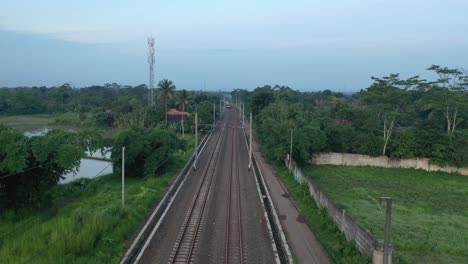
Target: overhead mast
pixel 151 60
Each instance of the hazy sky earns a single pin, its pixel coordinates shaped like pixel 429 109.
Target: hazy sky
pixel 308 45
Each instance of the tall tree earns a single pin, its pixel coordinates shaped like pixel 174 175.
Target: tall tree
pixel 166 91
pixel 261 97
pixel 30 167
pixel 183 99
pixel 147 151
pixel 447 95
pixel 387 98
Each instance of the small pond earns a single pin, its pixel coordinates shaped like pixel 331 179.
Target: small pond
pixel 89 168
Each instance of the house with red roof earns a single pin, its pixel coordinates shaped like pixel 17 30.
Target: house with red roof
pixel 175 115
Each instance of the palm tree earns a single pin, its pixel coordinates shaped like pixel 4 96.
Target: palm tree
pixel 183 100
pixel 166 90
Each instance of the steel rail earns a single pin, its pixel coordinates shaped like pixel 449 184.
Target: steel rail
pixel 183 247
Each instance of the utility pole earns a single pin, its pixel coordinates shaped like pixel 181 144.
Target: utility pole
pixel 196 141
pixel 250 144
pixel 214 115
pixel 290 149
pixel 242 115
pixel 388 220
pixel 123 176
pixel 182 126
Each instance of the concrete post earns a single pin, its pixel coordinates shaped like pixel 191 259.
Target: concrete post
pixel 378 253
pixel 343 219
pixel 290 150
pixel 250 143
pixel 196 141
pixel 243 121
pixel 123 176
pixel 388 222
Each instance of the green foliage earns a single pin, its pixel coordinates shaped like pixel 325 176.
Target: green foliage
pixel 459 154
pixel 13 153
pixel 388 100
pixel 401 118
pixel 439 154
pixel 277 120
pixel 261 98
pixel 340 138
pixel 205 112
pixel 447 95
pixel 368 144
pixel 146 150
pixel 429 217
pixel 30 167
pixel 334 242
pixel 86 223
pixel 166 90
pixel 105 119
pixel 406 144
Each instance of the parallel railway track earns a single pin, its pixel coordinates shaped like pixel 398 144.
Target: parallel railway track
pixel 233 234
pixel 185 244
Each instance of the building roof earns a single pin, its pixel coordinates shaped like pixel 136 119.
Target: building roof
pixel 344 122
pixel 175 112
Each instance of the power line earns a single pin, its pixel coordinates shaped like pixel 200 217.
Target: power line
pixel 40 165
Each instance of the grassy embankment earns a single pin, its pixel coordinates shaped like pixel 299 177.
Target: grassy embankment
pixel 86 223
pixel 334 241
pixel 430 209
pixel 39 122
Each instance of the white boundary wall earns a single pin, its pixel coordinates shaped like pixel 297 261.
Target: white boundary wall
pixel 333 158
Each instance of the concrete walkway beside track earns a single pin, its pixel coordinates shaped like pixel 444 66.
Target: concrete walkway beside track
pixel 302 242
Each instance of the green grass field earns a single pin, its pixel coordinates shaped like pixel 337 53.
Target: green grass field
pixel 86 224
pixel 42 121
pixel 430 209
pixel 39 122
pixel 334 242
pixel 29 122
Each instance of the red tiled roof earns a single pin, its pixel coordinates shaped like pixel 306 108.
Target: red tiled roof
pixel 175 112
pixel 344 122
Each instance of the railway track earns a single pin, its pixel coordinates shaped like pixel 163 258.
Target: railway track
pixel 183 249
pixel 233 232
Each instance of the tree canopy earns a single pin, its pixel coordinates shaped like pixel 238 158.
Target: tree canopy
pixel 394 116
pixel 30 167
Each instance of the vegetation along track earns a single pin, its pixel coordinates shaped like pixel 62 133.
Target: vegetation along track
pixel 183 249
pixel 233 241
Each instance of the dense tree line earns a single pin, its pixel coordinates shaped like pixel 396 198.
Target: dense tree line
pixel 400 118
pixel 147 151
pixel 110 105
pixel 31 167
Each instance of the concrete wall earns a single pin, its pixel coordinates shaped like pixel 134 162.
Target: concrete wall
pixel 334 158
